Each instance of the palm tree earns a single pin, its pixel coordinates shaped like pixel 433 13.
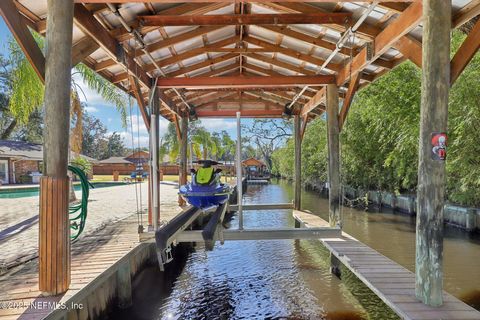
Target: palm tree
pixel 202 141
pixel 27 92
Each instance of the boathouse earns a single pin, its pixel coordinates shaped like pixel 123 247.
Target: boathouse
pixel 247 59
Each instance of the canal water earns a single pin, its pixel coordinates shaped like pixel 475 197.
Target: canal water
pixel 290 279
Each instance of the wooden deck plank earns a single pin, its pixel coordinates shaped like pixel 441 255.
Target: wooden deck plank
pixel 392 283
pixel 88 262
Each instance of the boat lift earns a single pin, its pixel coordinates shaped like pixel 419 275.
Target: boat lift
pixel 176 231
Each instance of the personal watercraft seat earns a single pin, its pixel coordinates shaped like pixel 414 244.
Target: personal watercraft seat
pixel 204 175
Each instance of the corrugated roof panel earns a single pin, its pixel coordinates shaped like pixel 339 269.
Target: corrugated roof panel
pixel 39 8
pixel 284 71
pixel 176 30
pixel 221 34
pixel 196 59
pixel 189 44
pixel 225 10
pixel 261 9
pixel 158 54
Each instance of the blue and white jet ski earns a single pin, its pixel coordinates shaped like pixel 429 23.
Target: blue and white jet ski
pixel 205 190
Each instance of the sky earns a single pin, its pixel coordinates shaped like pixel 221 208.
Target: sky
pixel 110 117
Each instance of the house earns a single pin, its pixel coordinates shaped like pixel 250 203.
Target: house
pixel 253 167
pixel 124 165
pixel 21 162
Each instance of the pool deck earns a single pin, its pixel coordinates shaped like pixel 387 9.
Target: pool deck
pixel 391 282
pixel 98 257
pixel 19 218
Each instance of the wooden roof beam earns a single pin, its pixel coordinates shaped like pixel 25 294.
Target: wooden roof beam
pixel 200 65
pixel 140 101
pixel 292 53
pixel 241 82
pixel 83 49
pixel 90 26
pixel 229 1
pixel 465 53
pixel 24 38
pixel 249 113
pixel 408 20
pixel 410 49
pixel 347 102
pixel 281 64
pixel 188 8
pixel 245 19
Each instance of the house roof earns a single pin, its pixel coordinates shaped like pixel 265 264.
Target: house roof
pixel 21 149
pixel 28 151
pixel 115 160
pixel 253 162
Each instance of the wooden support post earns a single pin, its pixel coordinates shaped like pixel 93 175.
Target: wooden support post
pixel 431 170
pixel 297 203
pixel 124 286
pixel 154 145
pixel 183 156
pixel 54 235
pixel 333 156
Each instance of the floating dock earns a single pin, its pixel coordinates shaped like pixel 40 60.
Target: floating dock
pixel 391 282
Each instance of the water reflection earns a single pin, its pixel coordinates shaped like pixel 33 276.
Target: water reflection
pixel 291 279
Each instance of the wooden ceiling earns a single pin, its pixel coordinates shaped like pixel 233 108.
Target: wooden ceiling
pixel 218 57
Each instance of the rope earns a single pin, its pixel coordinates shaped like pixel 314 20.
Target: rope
pixel 77 221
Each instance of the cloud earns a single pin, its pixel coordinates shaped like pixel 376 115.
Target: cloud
pixel 91 109
pixel 218 124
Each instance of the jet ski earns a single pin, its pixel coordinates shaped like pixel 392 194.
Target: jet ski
pixel 205 190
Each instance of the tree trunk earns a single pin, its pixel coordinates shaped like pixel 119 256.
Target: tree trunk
pixel 8 131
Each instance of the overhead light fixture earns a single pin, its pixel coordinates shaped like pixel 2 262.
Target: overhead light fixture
pixel 287 112
pixel 192 114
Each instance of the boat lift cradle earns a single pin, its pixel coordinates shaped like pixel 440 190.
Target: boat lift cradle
pixel 174 231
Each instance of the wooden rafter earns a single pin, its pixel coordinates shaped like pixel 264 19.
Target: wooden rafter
pixel 90 26
pixel 188 8
pixel 83 49
pixel 137 91
pixel 352 89
pixel 408 20
pixel 292 53
pixel 245 19
pixel 314 102
pixel 203 64
pixel 24 38
pixel 411 49
pixel 465 53
pixel 239 82
pixel 249 113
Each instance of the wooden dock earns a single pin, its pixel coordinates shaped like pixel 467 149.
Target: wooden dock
pixel 391 282
pixel 98 263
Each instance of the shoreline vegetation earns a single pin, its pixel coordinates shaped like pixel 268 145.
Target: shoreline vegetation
pixel 379 149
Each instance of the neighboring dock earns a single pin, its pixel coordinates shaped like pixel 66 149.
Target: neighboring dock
pixel 391 282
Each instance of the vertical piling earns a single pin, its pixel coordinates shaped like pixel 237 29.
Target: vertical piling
pixel 239 173
pixel 154 137
pixel 298 163
pixel 333 156
pixel 431 169
pixel 54 227
pixel 183 156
